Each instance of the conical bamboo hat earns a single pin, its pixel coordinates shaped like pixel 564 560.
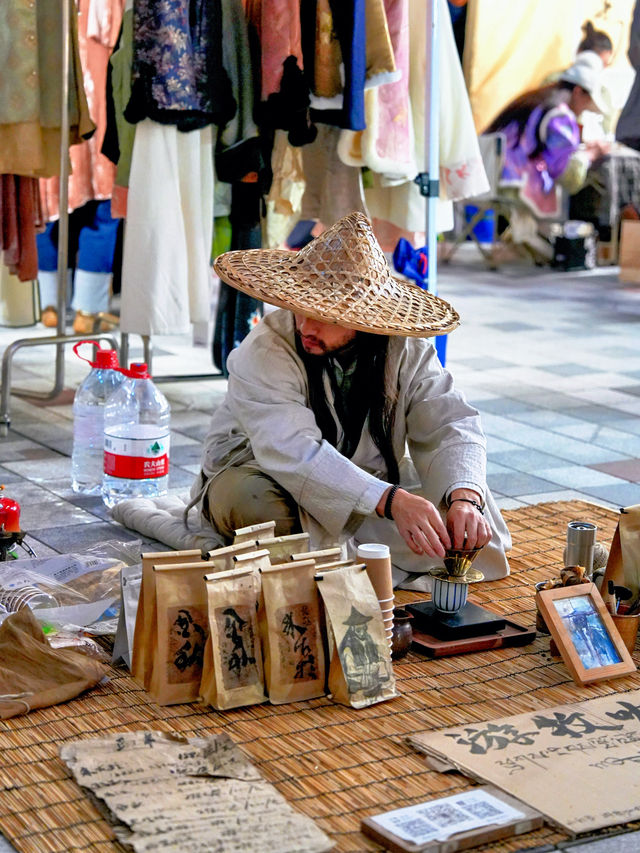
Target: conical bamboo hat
pixel 340 277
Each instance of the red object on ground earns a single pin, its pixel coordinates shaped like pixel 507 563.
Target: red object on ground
pixel 10 515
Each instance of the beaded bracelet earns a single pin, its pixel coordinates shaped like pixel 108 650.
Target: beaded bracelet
pixel 478 506
pixel 387 506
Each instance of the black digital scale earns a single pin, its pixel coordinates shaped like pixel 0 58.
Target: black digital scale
pixel 470 621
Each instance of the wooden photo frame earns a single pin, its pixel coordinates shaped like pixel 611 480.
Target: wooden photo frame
pixel 584 633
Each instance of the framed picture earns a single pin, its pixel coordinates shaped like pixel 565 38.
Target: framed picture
pixel 584 633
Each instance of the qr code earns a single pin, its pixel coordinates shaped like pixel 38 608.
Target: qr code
pixel 444 814
pixel 415 826
pixel 481 809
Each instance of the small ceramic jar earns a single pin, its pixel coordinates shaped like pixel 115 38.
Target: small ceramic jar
pixel 402 633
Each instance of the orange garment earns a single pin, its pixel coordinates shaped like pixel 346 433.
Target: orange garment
pixel 92 174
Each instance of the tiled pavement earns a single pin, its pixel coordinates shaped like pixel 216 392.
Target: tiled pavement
pixel 551 360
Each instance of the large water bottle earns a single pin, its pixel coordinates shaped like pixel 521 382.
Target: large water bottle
pixel 136 439
pixel 88 419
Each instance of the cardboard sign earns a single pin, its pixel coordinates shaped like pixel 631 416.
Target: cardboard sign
pixel 559 760
pixel 629 256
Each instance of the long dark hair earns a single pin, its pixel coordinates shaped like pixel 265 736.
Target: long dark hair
pixel 368 396
pixel 520 108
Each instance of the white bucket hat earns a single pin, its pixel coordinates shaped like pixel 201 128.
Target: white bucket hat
pixel 586 72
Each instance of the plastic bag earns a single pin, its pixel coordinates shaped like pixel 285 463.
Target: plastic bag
pixel 70 592
pixel 411 262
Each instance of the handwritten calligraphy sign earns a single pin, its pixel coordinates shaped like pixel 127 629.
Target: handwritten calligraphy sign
pixel 197 794
pixel 577 763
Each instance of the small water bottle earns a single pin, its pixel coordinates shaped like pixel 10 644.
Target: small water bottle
pixel 136 439
pixel 88 419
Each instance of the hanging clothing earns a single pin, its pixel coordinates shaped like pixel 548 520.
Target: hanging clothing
pixel 20 215
pixel 168 237
pixel 280 37
pixel 237 313
pixel 349 24
pixel 332 189
pixel 284 201
pixel 178 76
pixel 238 143
pixel 92 174
pixel 462 173
pixel 169 230
pixel 31 88
pixel 387 146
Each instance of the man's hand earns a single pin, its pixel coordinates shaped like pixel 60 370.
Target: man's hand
pixel 418 522
pixel 466 524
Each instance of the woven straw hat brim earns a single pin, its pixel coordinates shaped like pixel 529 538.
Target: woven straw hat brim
pixel 390 306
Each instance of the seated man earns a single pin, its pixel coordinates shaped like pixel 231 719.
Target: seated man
pixel 339 417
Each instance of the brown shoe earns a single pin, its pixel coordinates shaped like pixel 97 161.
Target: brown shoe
pixel 87 324
pixel 84 323
pixel 49 317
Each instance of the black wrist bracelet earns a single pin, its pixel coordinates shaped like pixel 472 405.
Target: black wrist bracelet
pixel 387 506
pixel 478 506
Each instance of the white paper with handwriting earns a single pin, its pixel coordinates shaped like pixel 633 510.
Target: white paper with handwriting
pixel 195 795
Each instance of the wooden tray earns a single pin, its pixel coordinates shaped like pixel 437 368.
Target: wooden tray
pixel 512 635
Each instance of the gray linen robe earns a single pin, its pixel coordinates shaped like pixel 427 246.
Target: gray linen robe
pixel 266 419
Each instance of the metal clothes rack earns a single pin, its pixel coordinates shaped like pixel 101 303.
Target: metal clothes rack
pixel 428 181
pixel 429 187
pixel 60 339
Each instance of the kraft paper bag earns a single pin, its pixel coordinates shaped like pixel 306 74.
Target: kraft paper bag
pixel 326 555
pixel 294 658
pixel 623 565
pixel 282 548
pixel 360 670
pixel 264 530
pixel 182 626
pixel 232 673
pixel 145 630
pixel 32 674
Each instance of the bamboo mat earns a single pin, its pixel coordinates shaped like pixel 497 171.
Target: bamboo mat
pixel 333 763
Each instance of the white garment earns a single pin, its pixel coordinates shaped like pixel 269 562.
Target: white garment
pixel 266 418
pixel 462 173
pixel 169 230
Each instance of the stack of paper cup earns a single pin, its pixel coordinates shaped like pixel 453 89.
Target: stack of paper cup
pixel 377 559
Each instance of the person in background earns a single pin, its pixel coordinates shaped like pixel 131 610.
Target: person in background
pixel 339 417
pixel 543 145
pixel 597 41
pixel 92 248
pixel 595 125
pixel 628 126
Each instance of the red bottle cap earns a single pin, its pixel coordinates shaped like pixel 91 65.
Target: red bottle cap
pixel 137 370
pixel 106 359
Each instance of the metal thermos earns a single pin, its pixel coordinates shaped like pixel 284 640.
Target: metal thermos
pixel 581 539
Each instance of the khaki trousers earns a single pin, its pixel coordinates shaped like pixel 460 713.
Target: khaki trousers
pixel 244 495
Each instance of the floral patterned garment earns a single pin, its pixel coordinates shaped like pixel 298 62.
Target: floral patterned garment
pixel 178 76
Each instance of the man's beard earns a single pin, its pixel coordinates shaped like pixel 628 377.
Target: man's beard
pixel 349 349
pixel 314 342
